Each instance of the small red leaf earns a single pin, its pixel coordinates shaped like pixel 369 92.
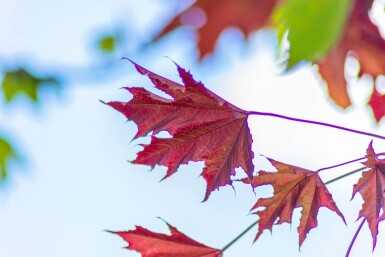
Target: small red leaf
pixel 371 186
pixel 293 187
pixel 377 103
pixel 151 244
pixel 204 127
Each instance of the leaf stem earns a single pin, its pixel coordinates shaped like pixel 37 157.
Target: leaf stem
pixel 239 236
pixel 354 238
pixel 316 123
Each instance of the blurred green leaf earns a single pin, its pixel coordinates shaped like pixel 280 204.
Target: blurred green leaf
pixel 7 153
pixel 107 44
pixel 21 81
pixel 314 27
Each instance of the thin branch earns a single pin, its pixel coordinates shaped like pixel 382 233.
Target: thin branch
pixel 345 175
pixel 317 123
pixel 348 162
pixel 354 238
pixel 239 236
pixel 341 164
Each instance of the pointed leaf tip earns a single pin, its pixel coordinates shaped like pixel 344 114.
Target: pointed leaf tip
pixel 293 187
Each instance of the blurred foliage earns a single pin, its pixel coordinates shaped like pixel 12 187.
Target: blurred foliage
pixel 7 154
pixel 314 27
pixel 322 33
pixel 107 44
pixel 21 81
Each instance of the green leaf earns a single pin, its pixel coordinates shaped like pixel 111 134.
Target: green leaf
pixel 20 81
pixel 7 154
pixel 313 27
pixel 107 44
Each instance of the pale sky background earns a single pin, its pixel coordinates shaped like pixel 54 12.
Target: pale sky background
pixel 77 182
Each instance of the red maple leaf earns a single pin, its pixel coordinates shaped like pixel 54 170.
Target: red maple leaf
pixel 247 15
pixel 204 127
pixel 371 186
pixel 293 187
pixel 151 244
pixel 362 39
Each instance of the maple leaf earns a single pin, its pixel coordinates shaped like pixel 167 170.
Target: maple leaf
pixel 364 39
pixel 371 186
pixel 247 15
pixel 151 244
pixel 204 127
pixel 293 187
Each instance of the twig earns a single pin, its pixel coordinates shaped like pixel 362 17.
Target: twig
pixel 316 123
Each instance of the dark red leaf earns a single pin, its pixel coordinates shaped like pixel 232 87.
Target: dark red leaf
pixel 151 244
pixel 204 127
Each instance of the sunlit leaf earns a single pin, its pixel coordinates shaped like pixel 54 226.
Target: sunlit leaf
pixel 313 27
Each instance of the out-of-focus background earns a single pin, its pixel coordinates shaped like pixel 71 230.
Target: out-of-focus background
pixel 66 155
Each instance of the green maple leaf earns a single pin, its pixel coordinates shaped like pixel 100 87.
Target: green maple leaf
pixel 21 81
pixel 313 27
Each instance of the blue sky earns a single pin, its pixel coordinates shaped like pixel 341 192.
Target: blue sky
pixel 77 182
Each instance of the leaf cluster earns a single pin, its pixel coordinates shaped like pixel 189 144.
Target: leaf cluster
pixel 205 127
